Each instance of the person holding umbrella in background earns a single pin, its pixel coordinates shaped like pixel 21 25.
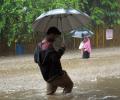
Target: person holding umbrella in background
pixel 85 45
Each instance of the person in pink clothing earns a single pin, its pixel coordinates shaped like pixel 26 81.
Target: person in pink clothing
pixel 86 47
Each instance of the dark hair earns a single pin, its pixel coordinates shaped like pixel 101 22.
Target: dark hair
pixel 53 30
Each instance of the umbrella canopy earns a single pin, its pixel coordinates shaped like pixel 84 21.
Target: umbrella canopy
pixel 64 20
pixel 81 32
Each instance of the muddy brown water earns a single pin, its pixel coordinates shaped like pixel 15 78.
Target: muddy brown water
pixel 97 78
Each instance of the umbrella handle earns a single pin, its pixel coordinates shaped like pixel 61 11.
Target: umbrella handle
pixel 63 38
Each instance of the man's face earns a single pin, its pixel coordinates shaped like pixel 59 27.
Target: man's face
pixel 53 37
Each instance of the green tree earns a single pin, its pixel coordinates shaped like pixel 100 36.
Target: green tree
pixel 17 16
pixel 104 12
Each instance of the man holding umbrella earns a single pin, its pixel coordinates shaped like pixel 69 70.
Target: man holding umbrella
pixel 63 20
pixel 48 60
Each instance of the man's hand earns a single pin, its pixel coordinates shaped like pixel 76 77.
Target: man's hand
pixel 61 50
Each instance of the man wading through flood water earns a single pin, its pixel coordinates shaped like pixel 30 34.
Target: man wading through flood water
pixel 48 60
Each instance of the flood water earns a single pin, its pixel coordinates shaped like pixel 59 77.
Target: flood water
pixel 97 78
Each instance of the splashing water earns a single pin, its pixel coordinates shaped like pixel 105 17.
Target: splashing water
pixel 97 78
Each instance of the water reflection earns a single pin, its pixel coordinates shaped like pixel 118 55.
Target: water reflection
pixel 102 89
pixel 97 78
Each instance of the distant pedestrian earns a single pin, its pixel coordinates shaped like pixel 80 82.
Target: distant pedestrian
pixel 85 47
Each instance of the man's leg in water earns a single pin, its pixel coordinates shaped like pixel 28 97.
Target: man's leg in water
pixel 51 88
pixel 63 81
pixel 67 83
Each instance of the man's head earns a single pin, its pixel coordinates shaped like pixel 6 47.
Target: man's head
pixel 52 34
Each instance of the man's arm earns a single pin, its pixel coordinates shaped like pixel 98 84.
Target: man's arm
pixel 61 50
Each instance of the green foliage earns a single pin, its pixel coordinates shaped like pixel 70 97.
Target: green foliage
pixel 111 11
pixel 97 15
pixel 17 16
pixel 16 19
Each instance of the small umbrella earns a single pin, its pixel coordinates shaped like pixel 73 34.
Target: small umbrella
pixel 64 20
pixel 81 32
